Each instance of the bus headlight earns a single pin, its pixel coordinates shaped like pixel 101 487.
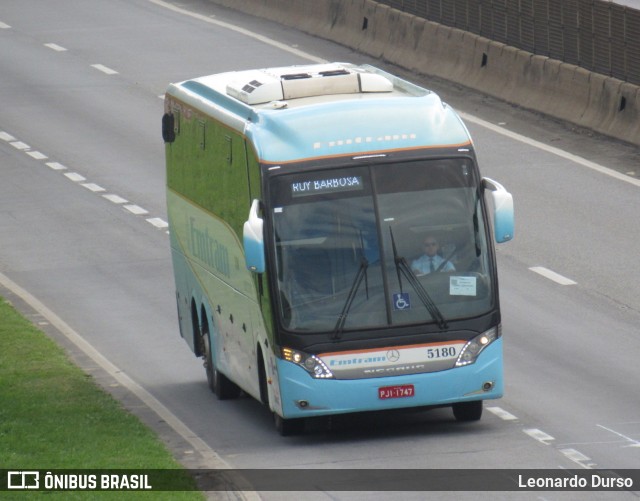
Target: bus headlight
pixel 474 347
pixel 310 363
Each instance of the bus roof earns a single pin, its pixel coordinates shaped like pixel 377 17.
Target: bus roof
pixel 296 113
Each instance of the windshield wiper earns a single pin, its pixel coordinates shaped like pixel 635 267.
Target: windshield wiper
pixel 402 267
pixel 476 224
pixel 360 275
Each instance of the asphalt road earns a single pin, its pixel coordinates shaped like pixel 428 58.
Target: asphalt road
pixel 82 231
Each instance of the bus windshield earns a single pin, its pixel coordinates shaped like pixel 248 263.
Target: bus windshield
pixel 380 245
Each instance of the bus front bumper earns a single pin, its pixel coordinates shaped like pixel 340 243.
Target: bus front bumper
pixel 303 396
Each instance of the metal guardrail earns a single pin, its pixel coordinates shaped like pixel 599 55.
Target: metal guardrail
pixel 597 35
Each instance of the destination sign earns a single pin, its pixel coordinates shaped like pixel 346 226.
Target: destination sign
pixel 328 185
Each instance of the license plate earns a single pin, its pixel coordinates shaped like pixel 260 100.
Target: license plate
pixel 399 391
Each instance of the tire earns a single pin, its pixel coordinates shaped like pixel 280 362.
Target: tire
pixel 468 411
pixel 285 427
pixel 262 381
pixel 288 427
pixel 218 383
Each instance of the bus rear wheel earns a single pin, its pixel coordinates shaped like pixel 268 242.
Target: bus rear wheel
pixel 219 384
pixel 468 411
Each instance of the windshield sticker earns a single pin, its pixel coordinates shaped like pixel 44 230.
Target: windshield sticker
pixel 401 301
pixel 462 286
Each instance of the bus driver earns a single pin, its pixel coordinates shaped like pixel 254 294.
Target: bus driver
pixel 430 261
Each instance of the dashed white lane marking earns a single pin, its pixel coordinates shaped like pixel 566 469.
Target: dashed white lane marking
pixel 552 275
pixel 37 155
pixel 116 199
pixel 93 187
pixel 55 46
pixel 578 458
pixel 19 145
pixel 104 69
pixel 539 435
pixel 136 209
pixel 4 26
pixel 56 166
pixel 75 177
pixel 158 222
pixel 502 414
pixel 543 437
pixel 79 178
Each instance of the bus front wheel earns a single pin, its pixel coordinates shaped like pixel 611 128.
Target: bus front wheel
pixel 468 411
pixel 288 427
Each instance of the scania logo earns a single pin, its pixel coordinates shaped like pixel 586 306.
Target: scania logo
pixel 393 355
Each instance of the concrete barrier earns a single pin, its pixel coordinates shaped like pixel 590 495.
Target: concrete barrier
pixel 591 100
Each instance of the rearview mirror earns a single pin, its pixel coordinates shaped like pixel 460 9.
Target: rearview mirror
pixel 503 215
pixel 253 240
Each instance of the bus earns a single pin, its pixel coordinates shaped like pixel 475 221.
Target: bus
pixel 303 203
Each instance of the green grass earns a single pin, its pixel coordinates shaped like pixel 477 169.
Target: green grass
pixel 53 416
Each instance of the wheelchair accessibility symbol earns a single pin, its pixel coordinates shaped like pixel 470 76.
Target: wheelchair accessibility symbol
pixel 401 301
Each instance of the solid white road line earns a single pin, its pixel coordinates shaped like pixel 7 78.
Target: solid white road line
pixel 214 460
pixel 465 116
pixel 551 149
pixel 237 29
pixel 632 442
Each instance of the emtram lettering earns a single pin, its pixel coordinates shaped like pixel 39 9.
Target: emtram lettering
pixel 209 250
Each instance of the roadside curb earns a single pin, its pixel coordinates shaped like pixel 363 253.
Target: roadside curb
pixel 186 446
